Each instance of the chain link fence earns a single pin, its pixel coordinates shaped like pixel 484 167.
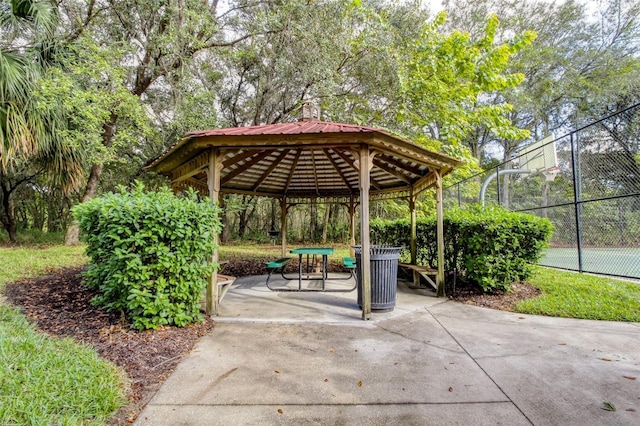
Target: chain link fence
pixel 586 182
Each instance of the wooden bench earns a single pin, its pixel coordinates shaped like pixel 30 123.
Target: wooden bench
pixel 224 283
pixel 277 264
pixel 424 272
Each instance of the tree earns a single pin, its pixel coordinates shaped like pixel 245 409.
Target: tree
pixel 578 69
pixel 445 78
pixel 30 129
pixel 163 38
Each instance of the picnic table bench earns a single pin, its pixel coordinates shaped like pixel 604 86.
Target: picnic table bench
pixel 424 272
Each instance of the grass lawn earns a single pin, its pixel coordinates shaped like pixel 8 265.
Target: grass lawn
pixel 26 262
pixel 572 295
pixel 46 380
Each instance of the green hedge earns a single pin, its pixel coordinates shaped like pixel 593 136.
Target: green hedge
pixel 490 246
pixel 150 253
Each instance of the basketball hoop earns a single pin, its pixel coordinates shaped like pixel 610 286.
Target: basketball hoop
pixel 551 173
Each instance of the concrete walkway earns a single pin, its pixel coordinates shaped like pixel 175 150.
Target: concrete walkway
pixel 308 358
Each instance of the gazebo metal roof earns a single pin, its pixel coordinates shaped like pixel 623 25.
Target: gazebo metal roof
pixel 306 159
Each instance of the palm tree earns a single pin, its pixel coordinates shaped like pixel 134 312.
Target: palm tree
pixel 29 142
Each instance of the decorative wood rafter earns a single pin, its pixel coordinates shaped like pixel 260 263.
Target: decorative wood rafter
pixel 267 172
pixel 255 160
pixel 293 170
pixel 351 162
pixel 190 168
pixel 337 167
pixel 382 165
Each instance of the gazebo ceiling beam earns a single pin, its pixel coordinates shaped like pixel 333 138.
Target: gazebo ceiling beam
pixel 408 167
pixel 351 163
pixel 238 158
pixel 337 167
pixel 382 165
pixel 315 171
pixel 267 172
pixel 255 160
pixel 292 171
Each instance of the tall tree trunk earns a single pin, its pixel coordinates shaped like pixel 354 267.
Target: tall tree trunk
pixel 108 130
pixel 274 207
pixel 504 197
pixel 325 222
pixel 313 223
pixel 9 220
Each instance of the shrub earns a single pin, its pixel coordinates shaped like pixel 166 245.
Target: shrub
pixel 150 253
pixel 487 245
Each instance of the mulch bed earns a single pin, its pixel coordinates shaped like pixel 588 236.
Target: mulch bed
pixel 504 301
pixel 59 304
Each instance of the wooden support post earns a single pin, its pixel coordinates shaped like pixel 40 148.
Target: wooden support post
pixel 213 182
pixel 440 234
pixel 283 224
pixel 365 164
pixel 414 227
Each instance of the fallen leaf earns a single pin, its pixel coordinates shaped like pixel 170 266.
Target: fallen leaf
pixel 280 410
pixel 360 383
pixel 520 317
pixel 633 410
pixel 450 389
pixel 607 406
pixel 629 377
pixel 332 351
pixel 606 359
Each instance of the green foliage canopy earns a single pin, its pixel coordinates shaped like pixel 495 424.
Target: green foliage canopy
pixel 444 77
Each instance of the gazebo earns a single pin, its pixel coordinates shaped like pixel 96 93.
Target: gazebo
pixel 310 159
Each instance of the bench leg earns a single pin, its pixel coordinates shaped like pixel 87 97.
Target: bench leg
pixel 269 277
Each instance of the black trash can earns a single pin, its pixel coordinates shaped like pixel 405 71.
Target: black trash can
pixel 384 276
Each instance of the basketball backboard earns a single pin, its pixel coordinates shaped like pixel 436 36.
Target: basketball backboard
pixel 539 156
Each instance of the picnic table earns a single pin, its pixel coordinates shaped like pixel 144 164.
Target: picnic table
pixel 312 266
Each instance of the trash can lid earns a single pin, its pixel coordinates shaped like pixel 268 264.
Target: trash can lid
pixel 379 249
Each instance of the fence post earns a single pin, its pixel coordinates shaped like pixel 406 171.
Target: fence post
pixel 577 197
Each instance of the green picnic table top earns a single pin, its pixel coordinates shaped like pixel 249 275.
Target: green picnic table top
pixel 313 250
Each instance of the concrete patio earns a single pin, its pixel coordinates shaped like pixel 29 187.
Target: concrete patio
pixel 309 358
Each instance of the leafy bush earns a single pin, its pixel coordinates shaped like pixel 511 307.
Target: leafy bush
pixel 490 246
pixel 150 253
